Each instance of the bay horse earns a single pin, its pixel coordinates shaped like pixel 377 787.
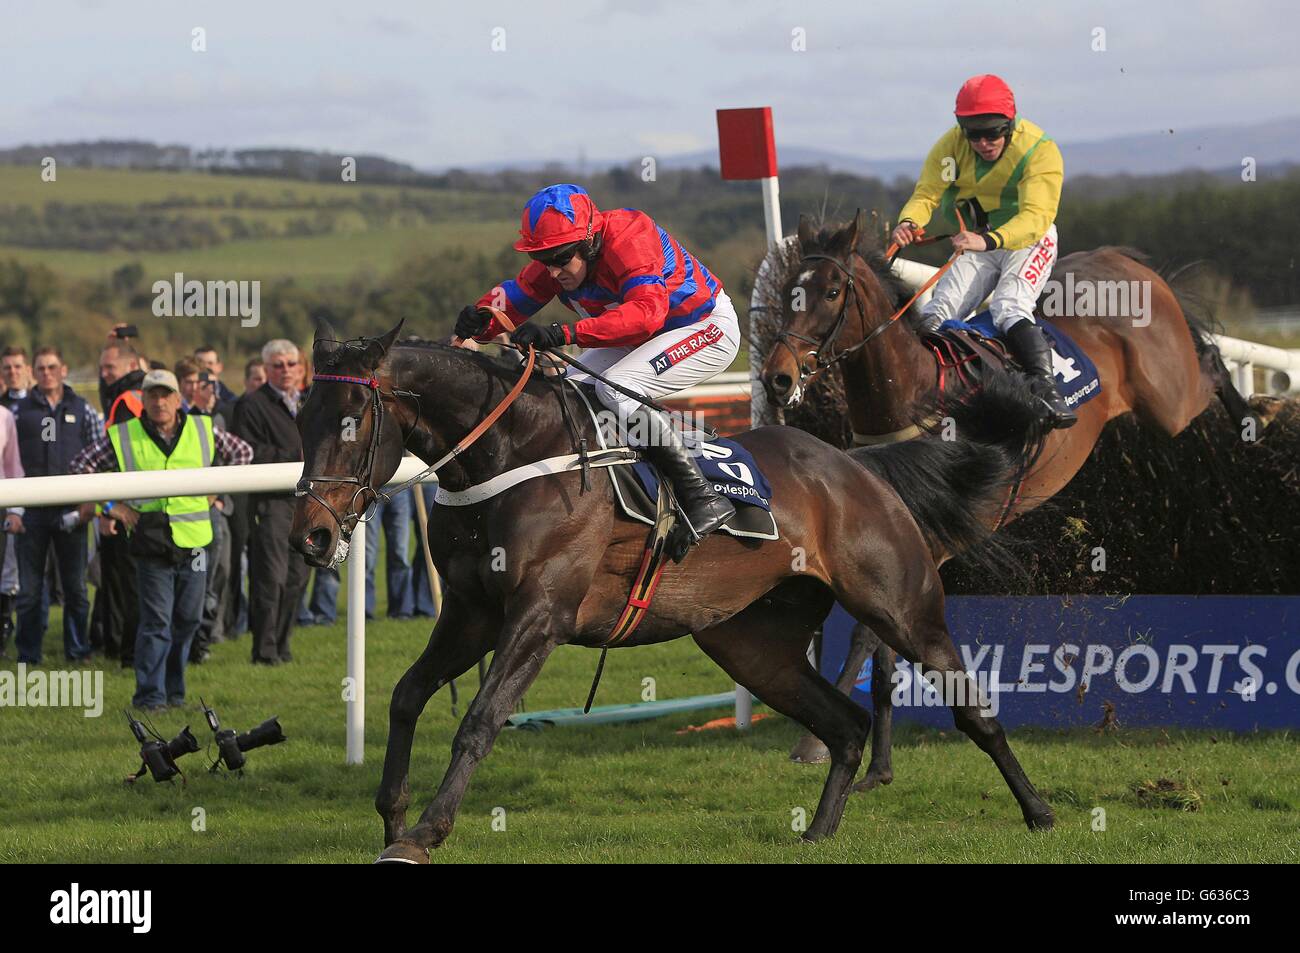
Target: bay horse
pixel 1159 366
pixel 547 563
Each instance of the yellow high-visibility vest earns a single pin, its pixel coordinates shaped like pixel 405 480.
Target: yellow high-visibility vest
pixel 187 515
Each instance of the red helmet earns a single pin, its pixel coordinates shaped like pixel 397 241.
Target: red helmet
pixel 558 215
pixel 985 95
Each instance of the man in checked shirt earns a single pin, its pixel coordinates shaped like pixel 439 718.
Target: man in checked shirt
pixel 167 536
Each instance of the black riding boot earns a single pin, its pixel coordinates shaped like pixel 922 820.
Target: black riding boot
pixel 1034 355
pixel 704 507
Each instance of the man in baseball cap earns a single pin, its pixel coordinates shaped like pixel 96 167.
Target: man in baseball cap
pixel 167 536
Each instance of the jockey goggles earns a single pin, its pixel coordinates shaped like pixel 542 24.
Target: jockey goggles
pixel 556 257
pixel 987 130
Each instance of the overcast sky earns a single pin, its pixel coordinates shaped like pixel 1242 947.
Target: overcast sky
pixel 420 82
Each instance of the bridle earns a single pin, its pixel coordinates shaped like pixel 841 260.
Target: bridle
pixel 365 484
pixel 827 343
pixel 364 479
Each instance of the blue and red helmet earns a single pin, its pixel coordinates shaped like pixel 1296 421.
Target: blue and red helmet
pixel 558 215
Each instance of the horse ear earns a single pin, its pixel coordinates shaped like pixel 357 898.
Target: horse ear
pixel 376 348
pixel 806 231
pixel 324 331
pixel 847 238
pixel 387 340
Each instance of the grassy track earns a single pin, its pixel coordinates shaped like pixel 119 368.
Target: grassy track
pixel 618 793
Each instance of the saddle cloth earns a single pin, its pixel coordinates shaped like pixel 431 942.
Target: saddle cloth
pixel 1076 374
pixel 731 467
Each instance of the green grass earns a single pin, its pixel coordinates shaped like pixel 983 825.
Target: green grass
pixel 638 792
pixel 22 185
pixel 311 261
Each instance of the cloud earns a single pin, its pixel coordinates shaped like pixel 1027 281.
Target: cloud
pixel 420 81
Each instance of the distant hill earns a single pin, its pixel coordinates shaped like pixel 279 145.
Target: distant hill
pixel 139 154
pixel 1274 144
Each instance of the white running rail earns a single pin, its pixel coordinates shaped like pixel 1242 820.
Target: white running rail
pixel 1280 367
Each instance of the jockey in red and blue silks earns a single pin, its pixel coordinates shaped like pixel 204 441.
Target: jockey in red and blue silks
pixel 652 319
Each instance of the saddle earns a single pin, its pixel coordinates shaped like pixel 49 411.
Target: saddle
pixel 967 351
pixel 965 357
pixel 637 488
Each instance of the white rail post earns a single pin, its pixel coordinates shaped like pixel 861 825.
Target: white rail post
pixel 772 210
pixel 356 716
pixel 772 221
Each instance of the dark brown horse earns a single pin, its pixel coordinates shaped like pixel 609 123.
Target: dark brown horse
pixel 545 564
pixel 1155 364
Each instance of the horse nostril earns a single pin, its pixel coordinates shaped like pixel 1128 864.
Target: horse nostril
pixel 782 383
pixel 315 542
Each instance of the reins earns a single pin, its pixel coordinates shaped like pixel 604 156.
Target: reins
pixel 827 343
pixel 347 523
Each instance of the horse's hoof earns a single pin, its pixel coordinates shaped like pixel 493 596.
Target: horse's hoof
pixel 810 750
pixel 871 781
pixel 1041 822
pixel 402 852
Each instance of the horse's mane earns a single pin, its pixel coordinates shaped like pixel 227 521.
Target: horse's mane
pixel 490 364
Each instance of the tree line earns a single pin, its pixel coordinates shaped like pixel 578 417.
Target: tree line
pixel 1247 230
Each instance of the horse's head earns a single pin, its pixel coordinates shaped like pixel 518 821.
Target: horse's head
pixel 352 428
pixel 823 304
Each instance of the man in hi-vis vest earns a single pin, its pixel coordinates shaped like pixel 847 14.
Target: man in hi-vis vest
pixel 167 536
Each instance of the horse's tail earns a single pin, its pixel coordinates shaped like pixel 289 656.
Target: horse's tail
pixel 1203 323
pixel 958 480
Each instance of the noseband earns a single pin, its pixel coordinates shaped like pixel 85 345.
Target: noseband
pixel 827 343
pixel 306 486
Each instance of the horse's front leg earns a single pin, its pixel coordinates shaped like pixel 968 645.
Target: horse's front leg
pixel 527 640
pixel 461 637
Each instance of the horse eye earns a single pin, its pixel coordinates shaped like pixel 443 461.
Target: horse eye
pixel 832 294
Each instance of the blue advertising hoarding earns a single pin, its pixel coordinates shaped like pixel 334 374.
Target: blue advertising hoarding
pixel 1230 662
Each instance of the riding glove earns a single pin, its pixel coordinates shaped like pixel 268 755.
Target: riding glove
pixel 471 323
pixel 539 337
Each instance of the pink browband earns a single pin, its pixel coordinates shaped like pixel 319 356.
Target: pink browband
pixel 370 382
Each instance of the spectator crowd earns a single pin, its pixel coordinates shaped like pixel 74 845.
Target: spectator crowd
pixel 173 577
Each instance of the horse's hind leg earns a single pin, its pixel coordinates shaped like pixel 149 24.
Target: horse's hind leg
pixel 881 768
pixel 766 653
pixel 809 749
pixel 459 640
pixel 927 641
pixel 938 653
